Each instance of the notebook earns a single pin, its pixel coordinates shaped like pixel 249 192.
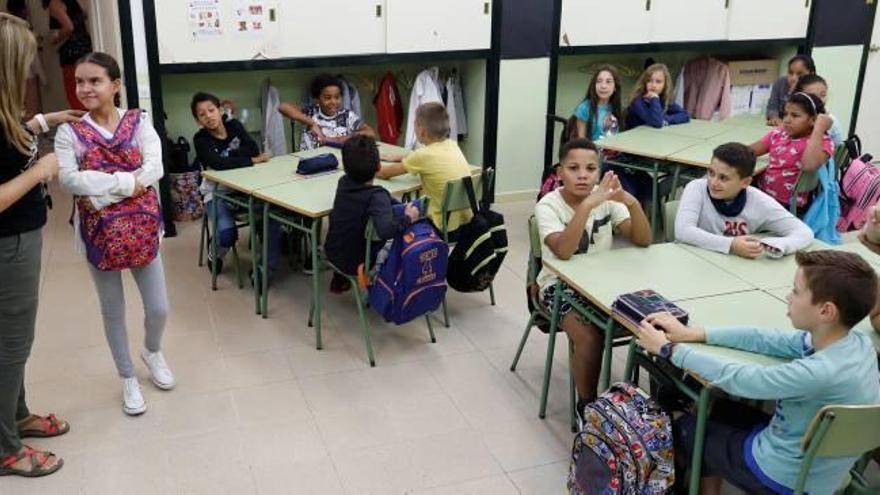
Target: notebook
pixel 635 306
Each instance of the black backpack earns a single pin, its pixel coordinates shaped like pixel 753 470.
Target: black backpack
pixel 481 247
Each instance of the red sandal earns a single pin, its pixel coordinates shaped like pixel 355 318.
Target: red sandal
pixel 38 458
pixel 51 426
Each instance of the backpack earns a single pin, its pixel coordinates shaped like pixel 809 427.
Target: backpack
pixel 624 446
pixel 412 280
pixel 859 190
pixel 481 246
pixel 124 234
pixel 186 199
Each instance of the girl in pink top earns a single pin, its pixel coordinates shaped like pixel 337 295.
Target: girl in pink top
pixel 800 144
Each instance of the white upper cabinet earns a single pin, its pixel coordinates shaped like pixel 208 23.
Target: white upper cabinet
pixel 604 22
pixel 438 25
pixel 768 19
pixel 356 27
pixel 688 20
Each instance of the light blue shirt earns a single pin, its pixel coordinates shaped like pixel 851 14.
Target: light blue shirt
pixel 843 373
pixel 836 132
pixel 582 112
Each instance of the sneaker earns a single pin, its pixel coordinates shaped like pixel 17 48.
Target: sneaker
pixel 339 284
pixel 159 371
pixel 132 399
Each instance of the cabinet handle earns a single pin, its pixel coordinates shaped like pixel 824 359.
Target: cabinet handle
pixel 726 4
pixel 485 8
pixel 806 3
pixel 647 4
pixel 378 10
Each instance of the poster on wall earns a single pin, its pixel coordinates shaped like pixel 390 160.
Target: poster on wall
pixel 204 18
pixel 250 16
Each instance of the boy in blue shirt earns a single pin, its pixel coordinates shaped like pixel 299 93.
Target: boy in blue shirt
pixel 833 291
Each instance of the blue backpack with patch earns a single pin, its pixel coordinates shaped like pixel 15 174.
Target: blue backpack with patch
pixel 412 280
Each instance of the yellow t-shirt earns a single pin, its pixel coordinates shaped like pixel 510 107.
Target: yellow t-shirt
pixel 437 164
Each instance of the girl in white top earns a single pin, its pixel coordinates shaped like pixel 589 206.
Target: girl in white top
pixel 98 81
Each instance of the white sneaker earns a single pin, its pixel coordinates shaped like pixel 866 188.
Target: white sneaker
pixel 132 399
pixel 161 374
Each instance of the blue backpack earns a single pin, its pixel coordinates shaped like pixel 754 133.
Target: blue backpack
pixel 412 280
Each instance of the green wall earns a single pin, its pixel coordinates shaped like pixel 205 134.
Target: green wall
pixel 522 106
pixel 839 65
pixel 243 88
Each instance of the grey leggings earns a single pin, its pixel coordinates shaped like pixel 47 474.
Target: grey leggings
pixel 151 283
pixel 19 288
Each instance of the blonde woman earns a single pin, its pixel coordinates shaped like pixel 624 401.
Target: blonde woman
pixel 22 216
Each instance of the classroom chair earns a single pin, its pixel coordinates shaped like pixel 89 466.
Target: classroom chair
pixel 455 199
pixel 842 431
pixel 809 181
pixel 206 244
pixel 670 210
pixel 360 295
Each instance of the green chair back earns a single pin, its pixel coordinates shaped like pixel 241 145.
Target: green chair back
pixel 841 159
pixel 455 197
pixel 670 210
pixel 839 431
pixel 806 182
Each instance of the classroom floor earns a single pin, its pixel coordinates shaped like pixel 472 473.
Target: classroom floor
pixel 259 410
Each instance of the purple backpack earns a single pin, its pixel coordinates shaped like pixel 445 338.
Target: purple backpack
pixel 412 280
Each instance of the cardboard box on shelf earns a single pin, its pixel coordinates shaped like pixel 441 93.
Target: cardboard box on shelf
pixel 751 72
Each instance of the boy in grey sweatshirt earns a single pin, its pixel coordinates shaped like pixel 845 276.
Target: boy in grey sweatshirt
pixel 721 212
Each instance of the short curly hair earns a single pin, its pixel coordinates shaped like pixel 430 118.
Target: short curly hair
pixel 322 81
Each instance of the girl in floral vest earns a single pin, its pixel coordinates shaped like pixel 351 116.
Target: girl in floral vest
pixel 110 161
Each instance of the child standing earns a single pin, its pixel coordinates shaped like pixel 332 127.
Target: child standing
pixel 829 364
pixel 439 161
pixel 224 144
pixel 357 201
pixel 580 218
pixel 814 84
pixel 721 212
pixel 599 114
pixel 800 144
pixel 325 120
pixel 110 161
pixel 798 66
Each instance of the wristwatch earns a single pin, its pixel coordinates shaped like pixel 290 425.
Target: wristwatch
pixel 666 350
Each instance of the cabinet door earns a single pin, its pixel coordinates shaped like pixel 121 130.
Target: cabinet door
pixel 604 22
pixel 436 26
pixel 689 20
pixel 355 27
pixel 214 31
pixel 763 19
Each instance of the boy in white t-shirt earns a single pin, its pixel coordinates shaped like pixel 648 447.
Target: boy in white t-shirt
pixel 580 218
pixel 325 121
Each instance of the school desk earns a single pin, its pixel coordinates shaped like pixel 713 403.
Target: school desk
pixel 856 246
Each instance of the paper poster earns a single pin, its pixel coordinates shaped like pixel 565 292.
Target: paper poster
pixel 251 16
pixel 204 18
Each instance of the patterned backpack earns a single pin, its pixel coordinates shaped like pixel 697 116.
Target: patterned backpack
pixel 124 234
pixel 859 190
pixel 624 447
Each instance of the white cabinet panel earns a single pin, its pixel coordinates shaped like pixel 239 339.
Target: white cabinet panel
pixel 438 25
pixel 688 20
pixel 227 33
pixel 355 27
pixel 768 19
pixel 604 22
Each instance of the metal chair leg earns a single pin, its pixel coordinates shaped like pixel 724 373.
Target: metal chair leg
pixel 365 325
pixel 237 267
pixel 445 313
pixel 551 347
pixel 492 294
pixel 522 342
pixel 430 329
pixel 572 400
pixel 202 237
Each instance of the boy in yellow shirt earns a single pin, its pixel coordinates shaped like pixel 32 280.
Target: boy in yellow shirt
pixel 438 162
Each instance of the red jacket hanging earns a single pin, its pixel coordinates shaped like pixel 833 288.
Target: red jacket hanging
pixel 389 110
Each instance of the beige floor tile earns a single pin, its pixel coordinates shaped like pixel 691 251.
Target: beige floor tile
pixel 305 478
pixel 212 463
pixel 496 485
pixel 328 394
pixel 526 443
pixel 256 368
pixel 335 357
pixel 280 442
pixel 277 401
pixel 181 415
pixel 540 480
pixel 139 469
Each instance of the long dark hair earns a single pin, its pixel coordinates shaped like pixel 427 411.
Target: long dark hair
pixel 593 99
pixel 109 64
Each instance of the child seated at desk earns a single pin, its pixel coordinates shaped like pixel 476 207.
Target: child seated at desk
pixel 224 144
pixel 830 364
pixel 800 144
pixel 357 201
pixel 798 66
pixel 325 120
pixel 439 161
pixel 815 84
pixel 721 212
pixel 580 218
pixel 651 104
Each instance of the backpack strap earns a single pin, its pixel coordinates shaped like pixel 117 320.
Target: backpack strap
pixel 471 194
pixel 484 184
